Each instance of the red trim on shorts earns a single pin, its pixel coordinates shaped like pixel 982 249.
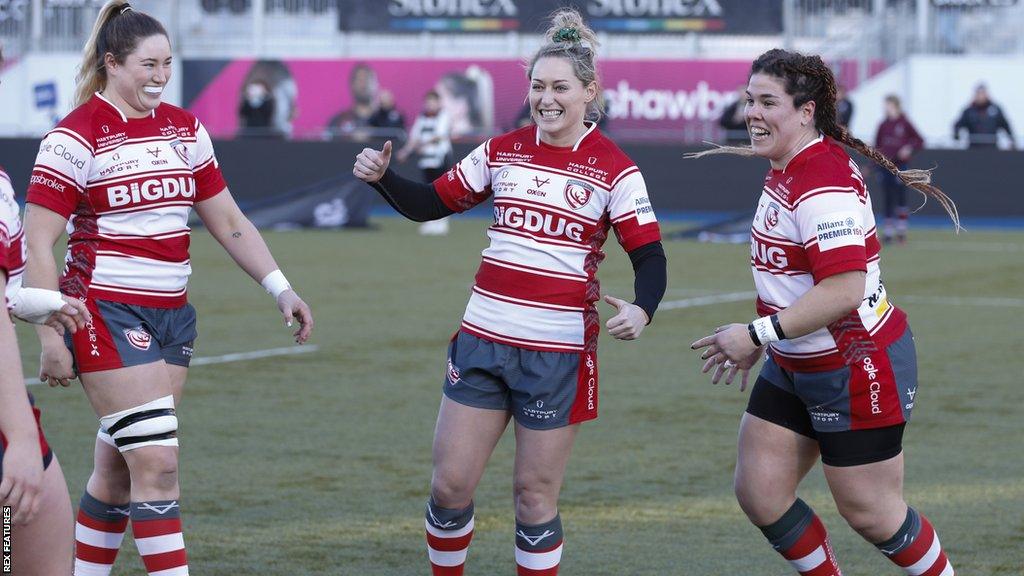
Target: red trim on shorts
pixel 874 397
pixel 584 407
pixel 94 347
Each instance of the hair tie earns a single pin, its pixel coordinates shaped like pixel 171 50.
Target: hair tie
pixel 566 34
pixel 125 8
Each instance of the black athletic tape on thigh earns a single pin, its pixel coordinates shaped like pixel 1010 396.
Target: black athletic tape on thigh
pixel 138 417
pixel 139 439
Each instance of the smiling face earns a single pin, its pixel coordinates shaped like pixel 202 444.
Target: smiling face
pixel 558 101
pixel 778 130
pixel 135 86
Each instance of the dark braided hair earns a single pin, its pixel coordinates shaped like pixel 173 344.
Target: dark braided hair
pixel 808 78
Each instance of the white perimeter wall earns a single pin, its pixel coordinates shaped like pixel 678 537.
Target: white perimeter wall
pixel 935 90
pixel 19 115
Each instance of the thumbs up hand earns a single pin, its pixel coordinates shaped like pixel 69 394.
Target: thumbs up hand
pixel 629 322
pixel 371 164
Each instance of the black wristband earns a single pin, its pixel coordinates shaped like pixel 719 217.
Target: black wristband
pixel 778 327
pixel 753 334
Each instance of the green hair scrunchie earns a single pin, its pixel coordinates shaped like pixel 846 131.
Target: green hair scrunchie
pixel 566 35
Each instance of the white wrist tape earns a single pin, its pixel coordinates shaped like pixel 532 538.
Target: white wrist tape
pixel 765 330
pixel 275 283
pixel 35 305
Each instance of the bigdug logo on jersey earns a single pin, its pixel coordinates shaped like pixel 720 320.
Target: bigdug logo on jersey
pixel 533 221
pixel 151 190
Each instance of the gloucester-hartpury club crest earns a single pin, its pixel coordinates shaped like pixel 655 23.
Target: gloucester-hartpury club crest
pixel 179 148
pixel 578 193
pixel 771 216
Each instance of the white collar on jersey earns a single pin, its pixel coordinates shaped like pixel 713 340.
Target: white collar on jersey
pixel 152 113
pixel 806 146
pixel 590 128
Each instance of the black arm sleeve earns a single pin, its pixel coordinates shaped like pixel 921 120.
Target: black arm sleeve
pixel 416 201
pixel 650 276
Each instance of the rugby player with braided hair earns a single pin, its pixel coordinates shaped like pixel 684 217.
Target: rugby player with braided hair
pixel 840 375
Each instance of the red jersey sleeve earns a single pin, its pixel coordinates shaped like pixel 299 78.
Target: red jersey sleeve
pixel 468 183
pixel 630 211
pixel 61 171
pixel 206 169
pixel 831 224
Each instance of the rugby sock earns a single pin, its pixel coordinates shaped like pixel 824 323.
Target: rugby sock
pixel 539 548
pixel 916 548
pixel 802 540
pixel 157 529
pixel 449 532
pixel 99 530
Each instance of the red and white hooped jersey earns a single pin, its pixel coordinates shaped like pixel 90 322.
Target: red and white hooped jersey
pixel 814 220
pixel 12 239
pixel 127 187
pixel 553 207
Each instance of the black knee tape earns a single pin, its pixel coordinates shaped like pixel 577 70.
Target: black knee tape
pixel 784 532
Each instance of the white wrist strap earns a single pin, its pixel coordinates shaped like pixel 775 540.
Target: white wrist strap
pixel 765 330
pixel 35 305
pixel 275 283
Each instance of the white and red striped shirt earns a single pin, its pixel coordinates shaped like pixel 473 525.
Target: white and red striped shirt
pixel 553 207
pixel 814 220
pixel 127 187
pixel 12 239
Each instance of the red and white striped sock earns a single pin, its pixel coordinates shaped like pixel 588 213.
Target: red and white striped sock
pixel 449 532
pixel 539 548
pixel 916 548
pixel 157 529
pixel 99 530
pixel 802 540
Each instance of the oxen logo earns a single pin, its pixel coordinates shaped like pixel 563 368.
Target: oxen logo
pixel 771 216
pixel 181 150
pixel 138 338
pixel 578 193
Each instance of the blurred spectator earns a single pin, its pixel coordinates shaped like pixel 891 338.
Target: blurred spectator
pixel 733 119
pixel 429 138
pixel 468 99
pixel 283 89
pixel 897 140
pixel 387 119
pixel 844 108
pixel 256 112
pixel 354 123
pixel 982 119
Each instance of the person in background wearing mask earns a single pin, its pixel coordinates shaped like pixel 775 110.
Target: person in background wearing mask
pixel 256 112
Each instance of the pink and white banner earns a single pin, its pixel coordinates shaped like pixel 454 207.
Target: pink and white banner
pixel 659 98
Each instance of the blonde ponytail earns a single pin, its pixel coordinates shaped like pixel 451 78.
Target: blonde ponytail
pixel 118 30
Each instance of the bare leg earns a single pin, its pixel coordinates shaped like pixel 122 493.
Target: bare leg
pixel 44 547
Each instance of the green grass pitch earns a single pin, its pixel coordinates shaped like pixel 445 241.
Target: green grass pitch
pixel 319 463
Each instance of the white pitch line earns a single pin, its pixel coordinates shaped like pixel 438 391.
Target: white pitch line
pixel 961 301
pixel 708 300
pixel 234 357
pixel 712 299
pixel 953 246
